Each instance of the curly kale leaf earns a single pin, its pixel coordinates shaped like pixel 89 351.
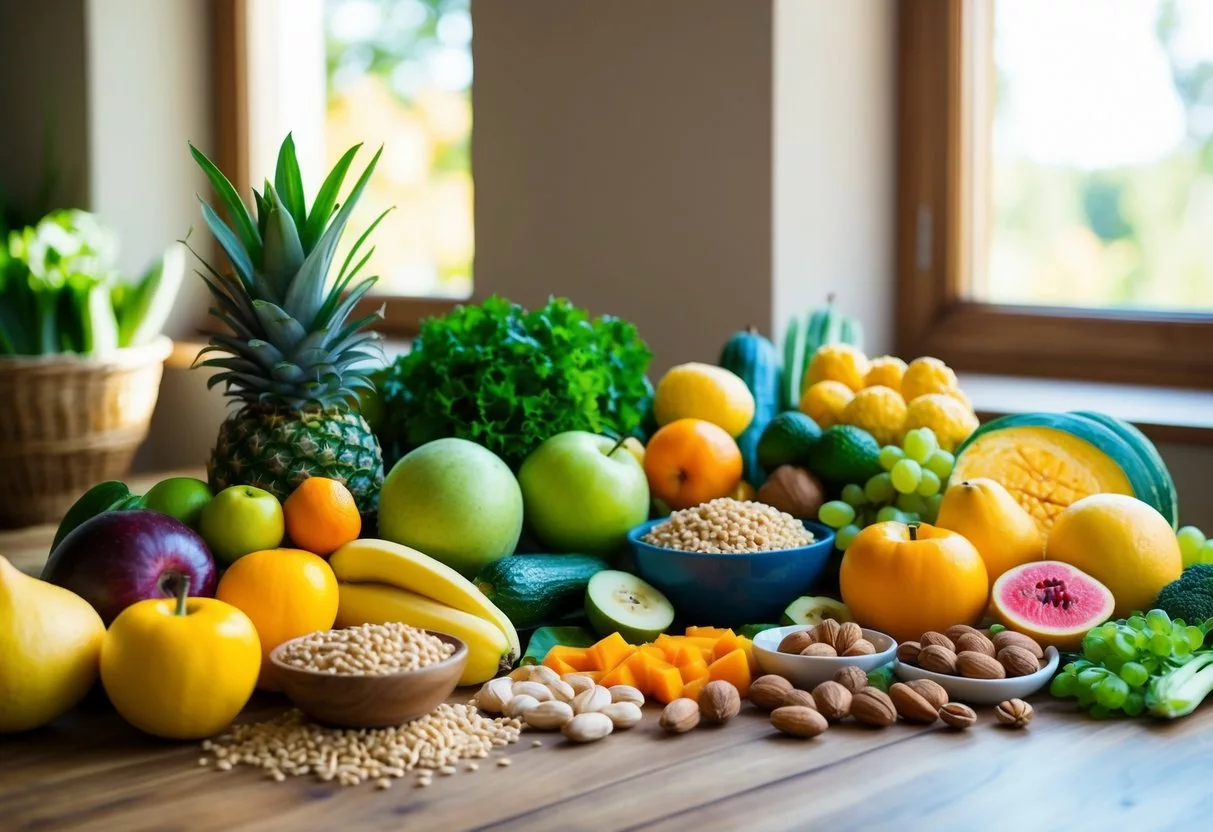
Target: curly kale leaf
pixel 508 378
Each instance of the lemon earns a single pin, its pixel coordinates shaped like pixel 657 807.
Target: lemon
pixel 838 362
pixel 960 396
pixel 925 376
pixel 885 371
pixel 950 420
pixel 825 401
pixel 878 410
pixel 702 391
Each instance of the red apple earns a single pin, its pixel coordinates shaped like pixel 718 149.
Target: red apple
pixel 120 557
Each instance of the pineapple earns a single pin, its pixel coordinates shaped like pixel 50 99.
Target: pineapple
pixel 290 357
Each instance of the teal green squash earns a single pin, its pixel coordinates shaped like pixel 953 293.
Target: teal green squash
pixel 753 358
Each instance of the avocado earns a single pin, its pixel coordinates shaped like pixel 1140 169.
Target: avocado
pixel 538 589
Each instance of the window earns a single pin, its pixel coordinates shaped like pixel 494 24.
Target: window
pixel 1055 207
pixel 335 73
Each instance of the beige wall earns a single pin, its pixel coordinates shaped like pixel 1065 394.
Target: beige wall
pixel 43 85
pixel 622 157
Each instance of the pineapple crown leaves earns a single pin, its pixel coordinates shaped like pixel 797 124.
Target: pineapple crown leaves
pixel 290 343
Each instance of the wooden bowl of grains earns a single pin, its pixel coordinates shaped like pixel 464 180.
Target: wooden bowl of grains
pixel 369 676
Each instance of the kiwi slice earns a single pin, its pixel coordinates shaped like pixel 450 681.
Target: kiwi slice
pixel 617 602
pixel 813 609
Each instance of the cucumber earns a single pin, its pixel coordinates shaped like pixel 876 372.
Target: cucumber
pixel 536 589
pixel 754 360
pixel 823 326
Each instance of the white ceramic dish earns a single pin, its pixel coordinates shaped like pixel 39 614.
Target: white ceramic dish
pixel 806 672
pixel 985 691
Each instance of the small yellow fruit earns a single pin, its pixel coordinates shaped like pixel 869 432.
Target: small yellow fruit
pixel 925 376
pixel 633 446
pixel 951 421
pixel 960 396
pixel 987 515
pixel 886 371
pixel 880 411
pixel 702 391
pixel 825 402
pixel 744 492
pixel 838 362
pixel 1120 541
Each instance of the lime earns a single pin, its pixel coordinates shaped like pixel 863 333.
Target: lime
pixel 787 440
pixel 180 497
pixel 845 454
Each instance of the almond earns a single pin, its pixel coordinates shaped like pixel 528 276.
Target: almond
pixel 820 650
pixel 873 706
pixel 851 678
pixel 680 716
pixel 933 692
pixel 768 692
pixel 907 652
pixel 1009 639
pixel 795 642
pixel 976 665
pixel 957 630
pixel 938 659
pixel 1018 661
pixel 799 721
pixel 912 705
pixel 863 647
pixel 848 634
pixel 833 700
pixel 719 702
pixel 800 698
pixel 956 715
pixel 827 632
pixel 975 642
pixel 932 637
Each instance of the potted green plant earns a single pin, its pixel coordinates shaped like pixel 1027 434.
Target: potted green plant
pixel 81 355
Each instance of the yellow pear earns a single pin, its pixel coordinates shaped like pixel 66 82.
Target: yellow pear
pixel 50 647
pixel 1003 532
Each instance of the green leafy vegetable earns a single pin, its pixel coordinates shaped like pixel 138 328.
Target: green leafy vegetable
pixel 508 378
pixel 545 638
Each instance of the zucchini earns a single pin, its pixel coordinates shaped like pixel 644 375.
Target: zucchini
pixel 753 358
pixel 823 326
pixel 536 589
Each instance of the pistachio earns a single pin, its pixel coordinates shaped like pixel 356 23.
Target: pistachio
pixel 548 716
pixel 623 714
pixel 588 727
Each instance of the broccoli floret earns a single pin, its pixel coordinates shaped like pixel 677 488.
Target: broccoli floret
pixel 1190 596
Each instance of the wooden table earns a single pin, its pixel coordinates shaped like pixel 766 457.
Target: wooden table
pixel 1065 772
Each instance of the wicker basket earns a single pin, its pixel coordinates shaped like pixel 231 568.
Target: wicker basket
pixel 67 423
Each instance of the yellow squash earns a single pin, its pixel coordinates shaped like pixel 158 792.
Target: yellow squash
pixel 180 668
pixel 50 640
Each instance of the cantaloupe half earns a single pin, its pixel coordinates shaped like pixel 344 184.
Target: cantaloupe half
pixel 1048 461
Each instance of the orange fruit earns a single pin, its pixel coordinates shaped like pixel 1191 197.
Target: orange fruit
pixel 321 516
pixel 286 593
pixel 691 461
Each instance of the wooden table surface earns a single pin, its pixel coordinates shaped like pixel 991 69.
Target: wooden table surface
pixel 1065 772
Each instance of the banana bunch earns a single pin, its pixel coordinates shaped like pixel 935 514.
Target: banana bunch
pixel 380 581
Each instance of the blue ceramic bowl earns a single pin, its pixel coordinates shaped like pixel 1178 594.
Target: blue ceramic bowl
pixel 731 590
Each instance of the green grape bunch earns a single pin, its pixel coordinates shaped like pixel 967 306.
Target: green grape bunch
pixel 1119 658
pixel 908 490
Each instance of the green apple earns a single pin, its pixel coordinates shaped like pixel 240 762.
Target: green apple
pixel 180 497
pixel 241 519
pixel 454 500
pixel 583 492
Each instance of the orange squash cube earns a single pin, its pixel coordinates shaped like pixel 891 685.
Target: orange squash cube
pixel 575 657
pixel 637 663
pixel 608 653
pixel 706 632
pixel 691 689
pixel 732 667
pixel 664 683
pixel 621 675
pixel 693 669
pixel 726 644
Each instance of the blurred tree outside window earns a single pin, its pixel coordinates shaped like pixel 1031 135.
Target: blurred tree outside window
pixel 1101 157
pixel 399 72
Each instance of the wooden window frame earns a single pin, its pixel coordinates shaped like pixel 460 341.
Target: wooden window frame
pixel 230 79
pixel 934 234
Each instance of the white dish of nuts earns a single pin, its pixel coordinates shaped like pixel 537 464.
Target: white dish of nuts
pixel 806 670
pixel 973 667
